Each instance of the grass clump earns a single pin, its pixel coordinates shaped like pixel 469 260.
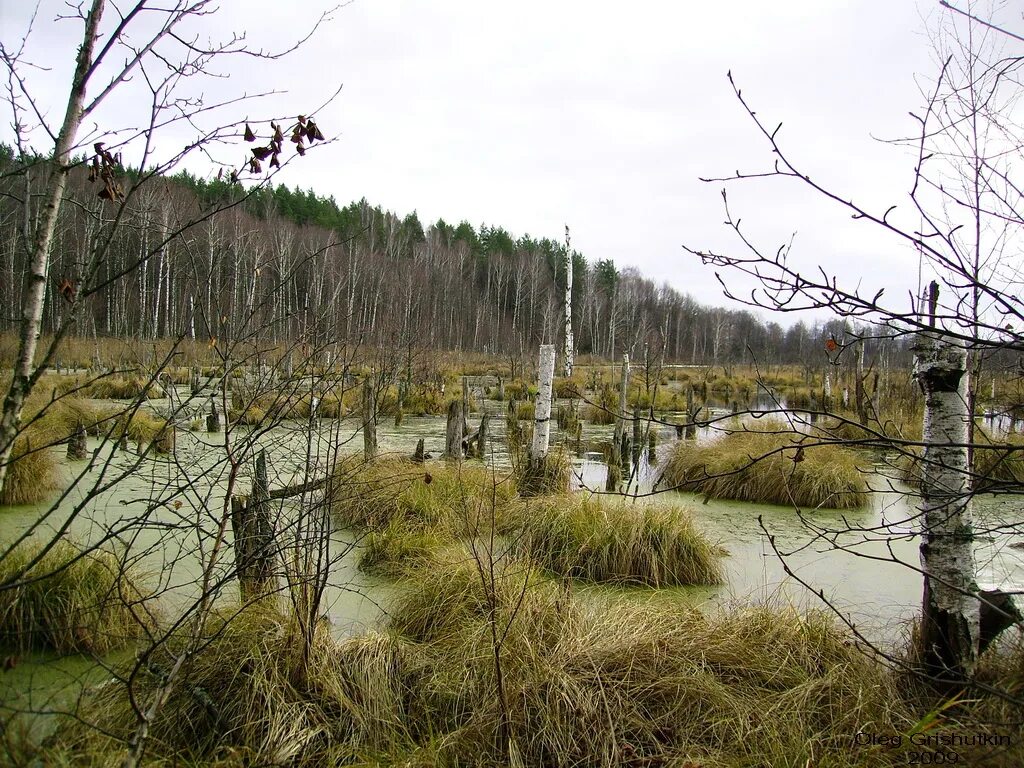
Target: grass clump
pixel 604 408
pixel 32 471
pixel 251 416
pixel 242 697
pixel 399 547
pixel 609 541
pixel 143 427
pixel 449 498
pixel 769 468
pixel 552 475
pixel 123 388
pixel 581 684
pixel 70 601
pixel 657 685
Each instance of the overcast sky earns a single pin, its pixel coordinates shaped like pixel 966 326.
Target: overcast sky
pixel 531 115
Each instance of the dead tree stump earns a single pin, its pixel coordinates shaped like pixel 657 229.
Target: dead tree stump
pixel 453 432
pixel 369 421
pixel 255 549
pixel 77 449
pixel 213 418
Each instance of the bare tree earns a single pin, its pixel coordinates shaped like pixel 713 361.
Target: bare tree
pixel 967 200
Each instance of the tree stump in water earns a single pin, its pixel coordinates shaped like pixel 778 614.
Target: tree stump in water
pixel 453 432
pixel 77 443
pixel 255 548
pixel 476 443
pixel 419 455
pixel 369 421
pixel 213 418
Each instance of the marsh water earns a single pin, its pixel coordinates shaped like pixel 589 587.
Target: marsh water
pixel 862 562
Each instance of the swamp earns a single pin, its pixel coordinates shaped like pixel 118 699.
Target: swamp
pixel 394 600
pixel 288 481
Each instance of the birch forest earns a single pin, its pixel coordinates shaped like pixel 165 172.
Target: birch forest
pixel 292 262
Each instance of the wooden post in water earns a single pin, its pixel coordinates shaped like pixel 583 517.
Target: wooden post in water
pixel 481 440
pixel 652 441
pixel 369 421
pixel 419 456
pixel 453 432
pixel 637 435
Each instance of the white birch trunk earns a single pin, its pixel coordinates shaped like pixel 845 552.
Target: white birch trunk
pixel 568 306
pixel 950 608
pixel 542 414
pixel 25 374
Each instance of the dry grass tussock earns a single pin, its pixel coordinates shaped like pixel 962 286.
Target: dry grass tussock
pixel 70 601
pixel 607 540
pixel 33 473
pixel 415 514
pixel 123 388
pixel 584 686
pixel 443 497
pixel 769 468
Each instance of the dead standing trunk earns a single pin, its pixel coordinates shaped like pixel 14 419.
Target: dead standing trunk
pixel 615 460
pixel 255 552
pixel 950 610
pixel 542 414
pixel 568 353
pixel 369 421
pixel 540 477
pixel 453 432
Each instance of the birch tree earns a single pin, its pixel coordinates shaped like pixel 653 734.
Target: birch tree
pixel 144 45
pixel 966 207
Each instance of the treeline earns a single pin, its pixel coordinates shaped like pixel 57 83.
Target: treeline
pixel 206 259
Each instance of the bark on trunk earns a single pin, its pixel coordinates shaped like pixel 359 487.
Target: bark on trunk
pixel 542 413
pixel 453 432
pixel 255 552
pixel 950 610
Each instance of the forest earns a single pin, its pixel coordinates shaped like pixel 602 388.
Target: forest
pixel 371 276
